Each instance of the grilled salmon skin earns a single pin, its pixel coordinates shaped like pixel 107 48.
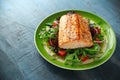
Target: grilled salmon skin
pixel 74 32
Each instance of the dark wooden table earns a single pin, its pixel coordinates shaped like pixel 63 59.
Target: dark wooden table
pixel 19 59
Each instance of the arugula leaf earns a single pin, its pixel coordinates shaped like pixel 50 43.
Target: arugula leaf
pixel 100 36
pixel 47 33
pixel 92 50
pixel 73 59
pixel 49 24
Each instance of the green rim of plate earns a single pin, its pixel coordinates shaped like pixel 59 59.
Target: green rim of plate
pixel 111 41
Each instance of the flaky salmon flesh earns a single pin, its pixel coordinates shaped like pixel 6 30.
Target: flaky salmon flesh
pixel 74 32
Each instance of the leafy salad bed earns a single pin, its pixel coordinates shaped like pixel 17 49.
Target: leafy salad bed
pixel 78 56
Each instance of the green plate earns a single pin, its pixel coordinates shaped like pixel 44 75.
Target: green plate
pixel 110 35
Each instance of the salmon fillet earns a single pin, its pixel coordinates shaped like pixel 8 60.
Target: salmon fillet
pixel 74 32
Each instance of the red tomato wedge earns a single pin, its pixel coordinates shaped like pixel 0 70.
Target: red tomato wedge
pixel 84 58
pixel 55 23
pixel 62 52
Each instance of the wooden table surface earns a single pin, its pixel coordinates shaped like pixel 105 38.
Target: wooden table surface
pixel 19 59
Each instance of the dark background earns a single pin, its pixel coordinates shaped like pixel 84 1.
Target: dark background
pixel 19 59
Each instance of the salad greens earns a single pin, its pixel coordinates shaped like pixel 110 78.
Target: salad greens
pixel 49 34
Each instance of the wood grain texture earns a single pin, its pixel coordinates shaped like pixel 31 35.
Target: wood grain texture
pixel 18 20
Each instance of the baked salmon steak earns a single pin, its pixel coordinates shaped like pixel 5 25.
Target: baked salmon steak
pixel 74 32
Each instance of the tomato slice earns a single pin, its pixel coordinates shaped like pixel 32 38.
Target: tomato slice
pixel 84 58
pixel 55 23
pixel 62 52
